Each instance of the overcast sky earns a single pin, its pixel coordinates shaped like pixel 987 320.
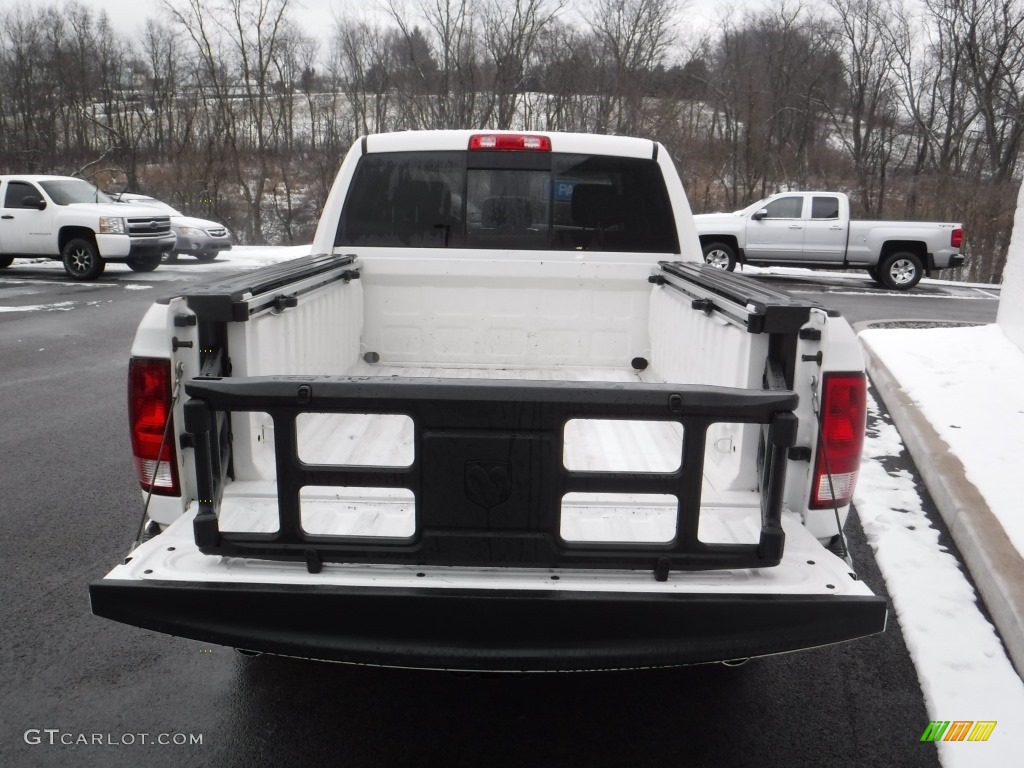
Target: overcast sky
pixel 317 17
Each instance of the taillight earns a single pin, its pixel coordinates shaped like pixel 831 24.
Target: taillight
pixel 152 428
pixel 956 239
pixel 510 141
pixel 843 418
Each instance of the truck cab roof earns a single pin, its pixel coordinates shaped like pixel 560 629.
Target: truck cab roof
pixel 590 144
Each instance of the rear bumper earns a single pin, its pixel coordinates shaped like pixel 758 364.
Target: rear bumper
pixel 479 629
pixel 944 260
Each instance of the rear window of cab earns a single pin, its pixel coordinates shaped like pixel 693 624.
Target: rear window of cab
pixel 508 200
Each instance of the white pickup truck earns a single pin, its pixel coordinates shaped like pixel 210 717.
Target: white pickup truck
pixel 66 218
pixel 502 418
pixel 813 229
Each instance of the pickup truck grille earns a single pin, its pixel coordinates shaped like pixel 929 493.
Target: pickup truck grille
pixel 149 226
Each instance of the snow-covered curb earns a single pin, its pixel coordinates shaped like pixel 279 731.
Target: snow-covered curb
pixel 963 669
pixel 969 384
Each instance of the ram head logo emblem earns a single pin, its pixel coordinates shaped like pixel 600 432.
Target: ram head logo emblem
pixel 488 483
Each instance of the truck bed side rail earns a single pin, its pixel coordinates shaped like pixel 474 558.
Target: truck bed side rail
pixel 236 298
pixel 514 432
pixel 746 302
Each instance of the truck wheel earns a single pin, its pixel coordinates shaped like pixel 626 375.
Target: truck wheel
pixel 720 255
pixel 144 263
pixel 6 261
pixel 81 261
pixel 901 271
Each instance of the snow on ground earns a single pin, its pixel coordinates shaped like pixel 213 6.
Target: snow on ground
pixel 253 256
pixel 967 383
pixel 61 306
pixel 857 276
pixel 244 257
pixel 960 661
pixel 240 257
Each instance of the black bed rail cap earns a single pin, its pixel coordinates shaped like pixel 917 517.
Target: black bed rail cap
pixel 225 300
pixel 770 311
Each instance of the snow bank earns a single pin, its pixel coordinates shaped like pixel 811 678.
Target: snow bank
pixel 968 384
pixel 960 661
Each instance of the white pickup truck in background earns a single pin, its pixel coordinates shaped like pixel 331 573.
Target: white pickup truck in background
pixel 502 418
pixel 66 218
pixel 813 229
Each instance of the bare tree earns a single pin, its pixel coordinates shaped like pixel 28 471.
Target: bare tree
pixel 634 36
pixel 993 33
pixel 238 46
pixel 440 86
pixel 866 120
pixel 363 61
pixel 511 33
pixel 565 71
pixel 769 81
pixel 27 91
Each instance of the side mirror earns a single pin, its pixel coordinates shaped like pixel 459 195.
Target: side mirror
pixel 32 201
pixel 762 214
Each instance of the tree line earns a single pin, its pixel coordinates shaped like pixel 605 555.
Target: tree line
pixel 227 109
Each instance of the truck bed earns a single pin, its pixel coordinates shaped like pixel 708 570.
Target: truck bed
pixel 442 414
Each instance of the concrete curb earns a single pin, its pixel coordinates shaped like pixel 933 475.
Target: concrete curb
pixel 995 564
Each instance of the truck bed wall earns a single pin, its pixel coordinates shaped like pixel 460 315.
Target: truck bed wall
pixel 689 347
pixel 506 313
pixel 318 337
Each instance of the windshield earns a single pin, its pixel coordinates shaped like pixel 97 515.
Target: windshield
pixel 68 191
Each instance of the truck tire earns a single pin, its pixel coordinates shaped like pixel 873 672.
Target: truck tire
pixel 720 255
pixel 81 259
pixel 144 263
pixel 900 271
pixel 6 261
